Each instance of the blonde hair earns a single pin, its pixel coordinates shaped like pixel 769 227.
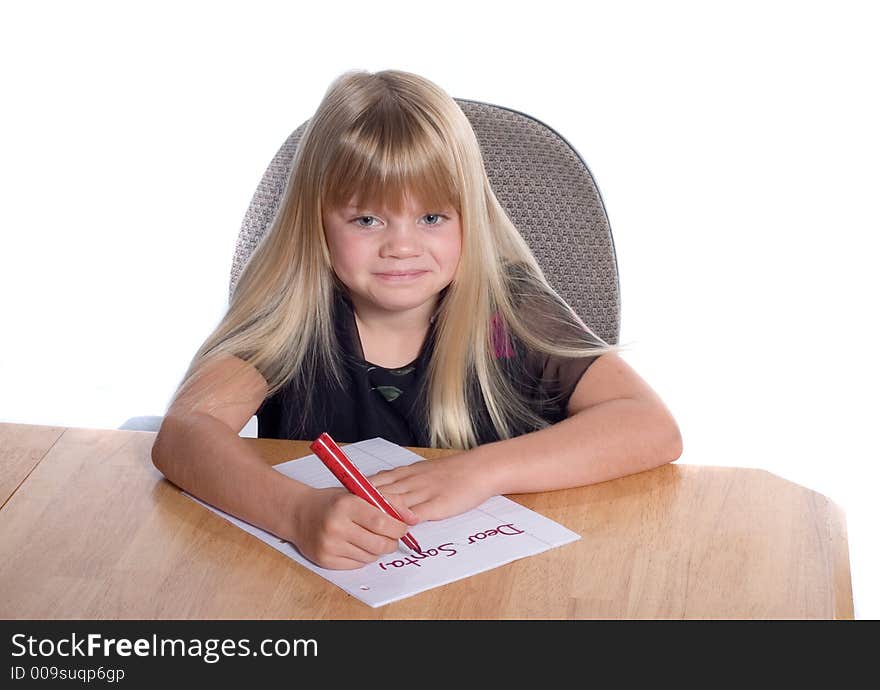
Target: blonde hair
pixel 379 138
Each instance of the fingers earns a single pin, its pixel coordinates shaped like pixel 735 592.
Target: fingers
pixel 373 545
pixel 345 544
pixel 336 563
pixel 431 508
pixel 400 485
pixel 345 528
pixel 377 522
pixel 401 506
pixel 363 551
pixel 427 503
pixel 386 477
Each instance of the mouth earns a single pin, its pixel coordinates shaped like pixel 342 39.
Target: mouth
pixel 400 275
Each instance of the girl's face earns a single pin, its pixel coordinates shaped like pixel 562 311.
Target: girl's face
pixel 394 263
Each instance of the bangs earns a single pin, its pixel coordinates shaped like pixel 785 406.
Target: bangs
pixel 388 156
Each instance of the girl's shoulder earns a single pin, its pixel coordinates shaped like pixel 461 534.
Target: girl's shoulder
pixel 225 387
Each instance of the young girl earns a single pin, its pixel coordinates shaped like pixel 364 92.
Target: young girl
pixel 392 296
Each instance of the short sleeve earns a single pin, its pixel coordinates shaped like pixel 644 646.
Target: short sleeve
pixel 561 376
pixel 269 417
pixel 555 376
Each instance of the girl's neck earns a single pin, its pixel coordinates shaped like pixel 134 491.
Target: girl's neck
pixel 404 324
pixel 393 339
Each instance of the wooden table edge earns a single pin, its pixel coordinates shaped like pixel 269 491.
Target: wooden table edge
pixel 842 577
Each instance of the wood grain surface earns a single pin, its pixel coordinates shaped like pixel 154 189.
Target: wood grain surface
pixel 22 446
pixel 96 532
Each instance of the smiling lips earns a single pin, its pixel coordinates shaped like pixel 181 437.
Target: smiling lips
pixel 400 275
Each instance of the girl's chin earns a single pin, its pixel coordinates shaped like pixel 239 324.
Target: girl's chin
pixel 399 303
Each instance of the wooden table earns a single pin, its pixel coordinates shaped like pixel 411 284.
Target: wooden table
pixel 90 529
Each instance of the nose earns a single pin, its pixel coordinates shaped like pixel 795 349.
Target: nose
pixel 400 241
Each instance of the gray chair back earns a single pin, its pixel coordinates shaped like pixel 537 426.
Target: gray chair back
pixel 541 182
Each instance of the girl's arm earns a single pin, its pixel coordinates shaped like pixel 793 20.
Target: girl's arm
pixel 198 448
pixel 617 425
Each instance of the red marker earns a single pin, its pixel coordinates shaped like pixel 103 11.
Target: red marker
pixel 353 480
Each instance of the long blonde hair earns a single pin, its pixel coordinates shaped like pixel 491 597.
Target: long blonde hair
pixel 378 137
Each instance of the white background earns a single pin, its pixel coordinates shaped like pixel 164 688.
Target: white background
pixel 736 149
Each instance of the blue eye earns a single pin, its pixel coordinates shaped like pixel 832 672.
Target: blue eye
pixel 360 218
pixel 438 216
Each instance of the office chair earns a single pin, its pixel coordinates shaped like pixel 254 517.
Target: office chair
pixel 541 182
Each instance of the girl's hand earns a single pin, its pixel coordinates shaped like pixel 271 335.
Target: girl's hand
pixel 336 529
pixel 436 489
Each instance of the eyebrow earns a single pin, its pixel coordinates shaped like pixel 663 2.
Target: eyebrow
pixel 353 207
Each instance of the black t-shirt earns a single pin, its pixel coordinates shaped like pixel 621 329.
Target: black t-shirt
pixel 390 403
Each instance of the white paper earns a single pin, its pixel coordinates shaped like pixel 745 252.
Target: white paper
pixel 497 532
